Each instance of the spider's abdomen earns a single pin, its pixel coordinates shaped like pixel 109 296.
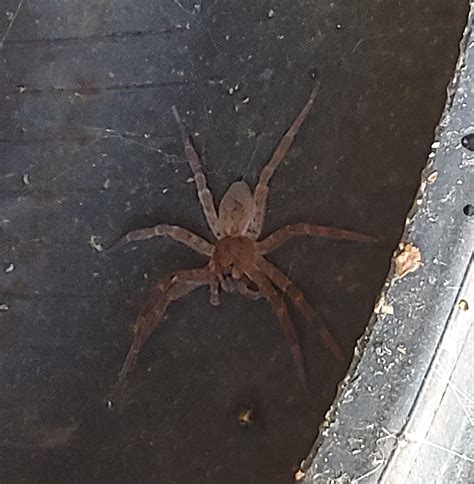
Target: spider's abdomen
pixel 236 209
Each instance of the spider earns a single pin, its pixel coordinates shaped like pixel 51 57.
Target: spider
pixel 237 257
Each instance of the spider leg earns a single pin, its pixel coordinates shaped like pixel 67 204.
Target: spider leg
pixel 177 233
pixel 169 289
pixel 266 289
pixel 204 194
pixel 261 190
pixel 283 234
pixel 297 296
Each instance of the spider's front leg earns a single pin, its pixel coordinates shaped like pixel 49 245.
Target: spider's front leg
pixel 261 190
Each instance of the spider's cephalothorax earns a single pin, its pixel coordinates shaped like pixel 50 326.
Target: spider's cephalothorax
pixel 236 258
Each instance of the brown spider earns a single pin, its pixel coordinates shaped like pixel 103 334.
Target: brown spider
pixel 237 261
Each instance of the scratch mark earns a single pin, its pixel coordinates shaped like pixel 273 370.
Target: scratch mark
pixel 94 37
pixel 10 25
pixel 411 437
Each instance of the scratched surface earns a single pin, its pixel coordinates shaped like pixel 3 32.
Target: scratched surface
pixel 88 147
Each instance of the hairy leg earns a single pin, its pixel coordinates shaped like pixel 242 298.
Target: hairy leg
pixel 177 233
pixel 267 290
pixel 286 285
pixel 169 289
pixel 204 194
pixel 280 236
pixel 261 190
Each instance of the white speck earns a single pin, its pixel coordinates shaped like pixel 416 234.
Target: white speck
pixel 146 135
pixel 10 268
pixel 435 145
pixel 106 184
pixel 109 404
pixel 280 37
pixel 95 243
pixel 21 89
pixel 26 179
pixel 338 26
pixel 4 307
pixel 231 90
pixel 245 100
pixel 111 75
pixel 271 13
pixel 164 191
pixel 227 37
pixel 401 348
pixel 190 179
pixel 10 15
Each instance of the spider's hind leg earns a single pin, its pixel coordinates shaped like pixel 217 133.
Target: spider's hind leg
pixel 171 288
pixel 267 290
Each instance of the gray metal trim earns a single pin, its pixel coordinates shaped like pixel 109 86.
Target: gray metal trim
pixel 403 413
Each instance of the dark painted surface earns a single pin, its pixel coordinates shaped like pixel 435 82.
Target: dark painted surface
pixel 86 94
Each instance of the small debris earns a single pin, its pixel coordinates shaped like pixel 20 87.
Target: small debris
pixel 381 306
pixel 10 268
pixel 245 100
pixel 435 145
pixel 432 177
pixel 408 260
pixel 190 179
pixel 164 191
pixel 106 184
pixel 95 243
pixel 271 13
pixel 246 417
pixel 21 89
pixel 109 404
pixel 338 26
pixel 4 307
pixel 299 474
pixel 26 179
pixel 401 348
pixel 463 305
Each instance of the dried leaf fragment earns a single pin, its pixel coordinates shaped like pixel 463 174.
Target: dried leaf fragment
pixel 408 260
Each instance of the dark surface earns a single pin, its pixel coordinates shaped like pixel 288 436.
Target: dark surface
pixel 72 72
pixel 403 413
